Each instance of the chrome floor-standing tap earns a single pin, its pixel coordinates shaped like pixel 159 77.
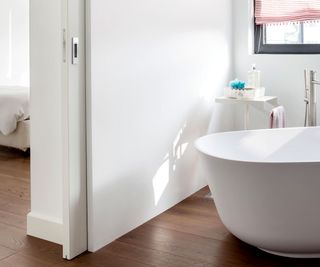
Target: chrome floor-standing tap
pixel 310 98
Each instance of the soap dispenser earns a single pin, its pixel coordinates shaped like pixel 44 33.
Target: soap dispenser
pixel 254 77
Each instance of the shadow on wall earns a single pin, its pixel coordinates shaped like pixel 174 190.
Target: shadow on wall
pixel 182 159
pixel 139 198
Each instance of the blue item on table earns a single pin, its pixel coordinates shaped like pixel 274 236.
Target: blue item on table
pixel 237 84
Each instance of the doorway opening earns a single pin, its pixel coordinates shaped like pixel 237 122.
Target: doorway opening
pixel 14 125
pixel 42 129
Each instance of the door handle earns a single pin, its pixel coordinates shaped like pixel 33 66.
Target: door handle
pixel 75 50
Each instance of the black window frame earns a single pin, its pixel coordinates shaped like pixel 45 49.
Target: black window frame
pixel 261 47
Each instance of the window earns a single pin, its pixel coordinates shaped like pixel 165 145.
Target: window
pixel 298 38
pixel 287 27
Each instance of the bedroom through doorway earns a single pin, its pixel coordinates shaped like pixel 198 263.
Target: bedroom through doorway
pixel 14 124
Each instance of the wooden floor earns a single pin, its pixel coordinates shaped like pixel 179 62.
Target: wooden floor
pixel 189 234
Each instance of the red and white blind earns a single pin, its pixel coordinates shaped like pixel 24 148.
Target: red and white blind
pixel 283 11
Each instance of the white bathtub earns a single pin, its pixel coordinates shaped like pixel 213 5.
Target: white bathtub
pixel 266 186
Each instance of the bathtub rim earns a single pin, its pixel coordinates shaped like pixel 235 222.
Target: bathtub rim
pixel 197 146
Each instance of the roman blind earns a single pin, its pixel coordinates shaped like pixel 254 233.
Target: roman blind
pixel 284 11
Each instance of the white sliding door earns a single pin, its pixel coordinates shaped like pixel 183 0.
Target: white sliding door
pixel 58 141
pixel 74 195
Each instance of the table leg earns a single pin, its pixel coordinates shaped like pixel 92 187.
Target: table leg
pixel 246 117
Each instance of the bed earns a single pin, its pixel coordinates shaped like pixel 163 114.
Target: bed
pixel 15 117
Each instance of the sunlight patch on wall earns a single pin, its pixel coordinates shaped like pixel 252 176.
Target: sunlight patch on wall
pixel 161 180
pixel 167 170
pixel 178 148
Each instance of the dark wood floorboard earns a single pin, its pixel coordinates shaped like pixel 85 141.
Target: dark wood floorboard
pixel 189 234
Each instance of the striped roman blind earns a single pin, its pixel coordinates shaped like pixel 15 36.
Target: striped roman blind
pixel 282 11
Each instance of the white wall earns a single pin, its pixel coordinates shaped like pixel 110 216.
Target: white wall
pixel 14 42
pixel 282 75
pixel 155 67
pixel 46 123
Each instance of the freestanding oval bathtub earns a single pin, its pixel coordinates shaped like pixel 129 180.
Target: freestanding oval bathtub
pixel 266 186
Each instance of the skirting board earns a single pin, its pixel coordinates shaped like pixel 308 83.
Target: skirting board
pixel 44 228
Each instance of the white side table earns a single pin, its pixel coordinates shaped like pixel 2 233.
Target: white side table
pixel 265 103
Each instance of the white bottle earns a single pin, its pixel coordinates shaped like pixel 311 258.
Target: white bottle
pixel 254 78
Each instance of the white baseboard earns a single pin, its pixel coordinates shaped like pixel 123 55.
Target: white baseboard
pixel 45 228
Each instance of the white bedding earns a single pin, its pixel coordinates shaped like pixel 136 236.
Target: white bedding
pixel 20 138
pixel 14 107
